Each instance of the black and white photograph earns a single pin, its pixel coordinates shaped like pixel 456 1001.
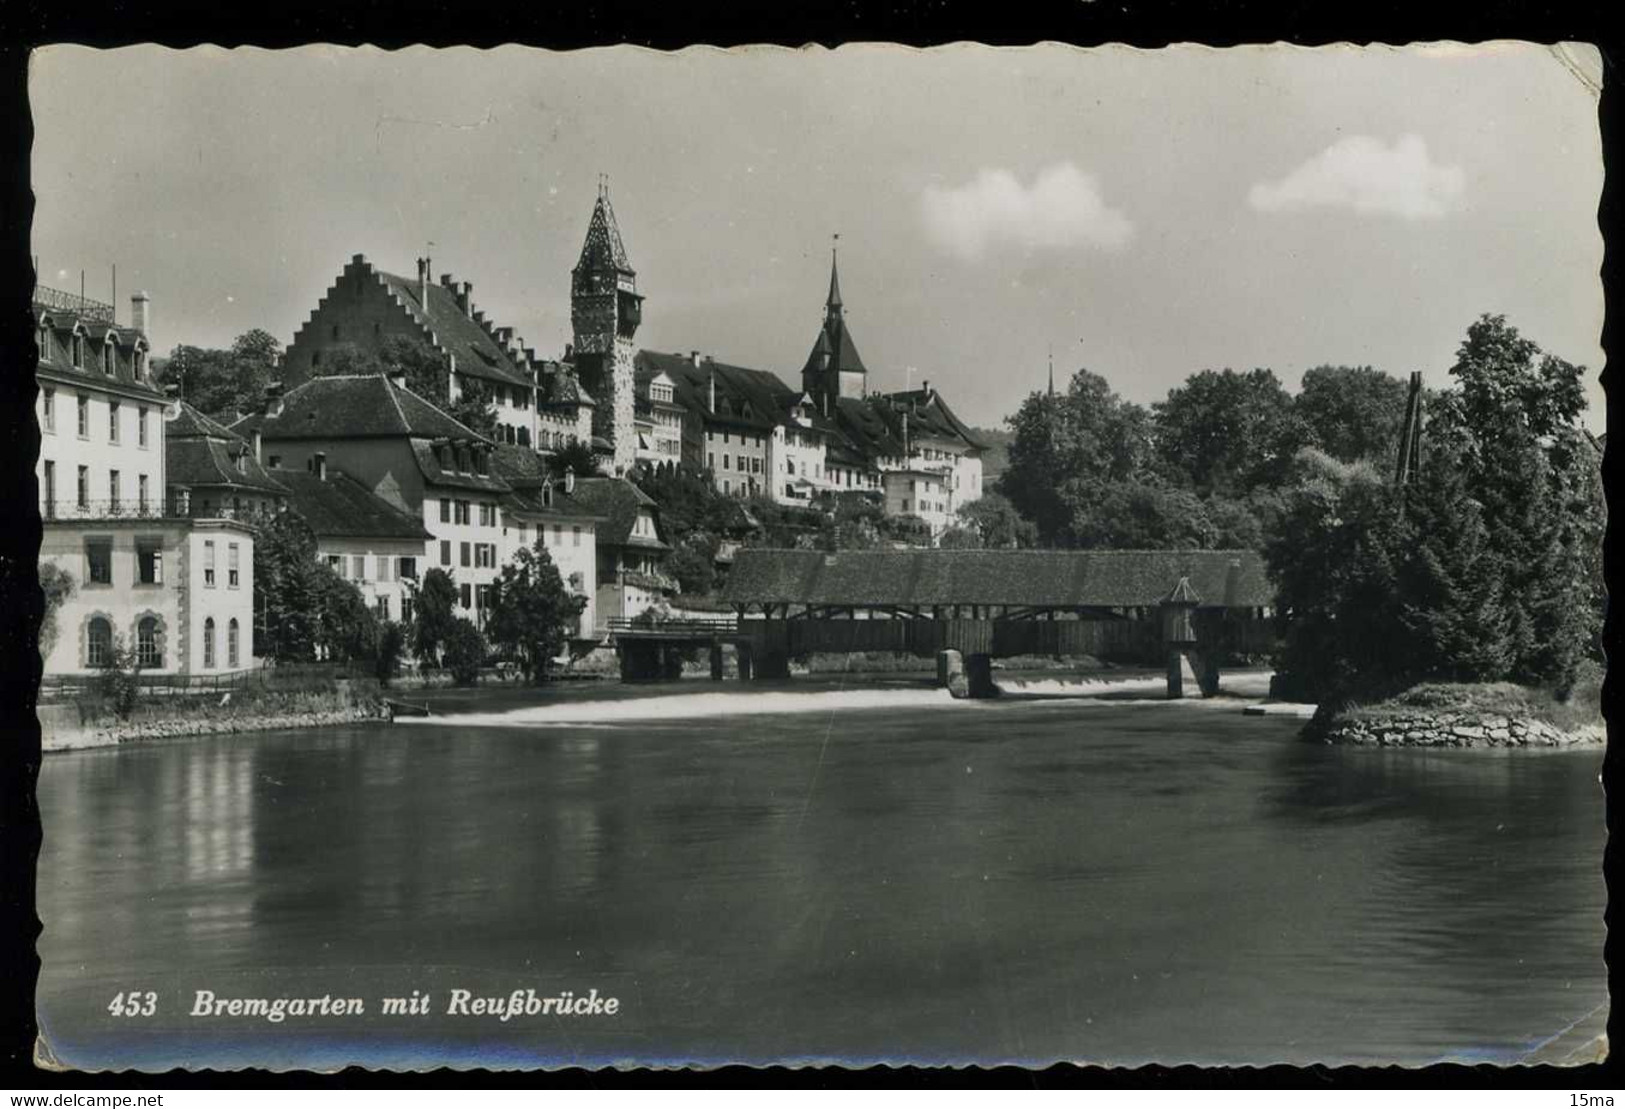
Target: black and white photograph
pixel 957 556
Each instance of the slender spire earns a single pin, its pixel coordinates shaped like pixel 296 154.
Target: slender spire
pixel 833 304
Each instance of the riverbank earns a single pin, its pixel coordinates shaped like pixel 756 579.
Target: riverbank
pixel 72 726
pixel 1497 714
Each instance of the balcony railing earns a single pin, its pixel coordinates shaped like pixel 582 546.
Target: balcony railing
pixel 57 301
pixel 135 509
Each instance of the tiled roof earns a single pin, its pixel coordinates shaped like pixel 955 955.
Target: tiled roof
pixel 476 351
pixel 436 474
pixel 201 452
pixel 754 399
pixel 358 406
pixel 1060 579
pixel 343 507
pixel 617 501
pixel 928 412
pixel 603 248
pixel 57 363
pixel 836 339
pixel 863 424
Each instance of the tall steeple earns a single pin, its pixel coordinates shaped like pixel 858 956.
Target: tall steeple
pixel 605 311
pixel 834 369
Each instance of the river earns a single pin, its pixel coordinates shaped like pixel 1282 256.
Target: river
pixel 829 871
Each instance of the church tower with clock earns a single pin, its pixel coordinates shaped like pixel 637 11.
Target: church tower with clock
pixel 605 310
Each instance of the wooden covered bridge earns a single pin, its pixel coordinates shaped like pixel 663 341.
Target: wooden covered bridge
pixel 1151 607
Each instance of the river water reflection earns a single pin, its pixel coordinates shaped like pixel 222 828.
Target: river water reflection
pixel 918 879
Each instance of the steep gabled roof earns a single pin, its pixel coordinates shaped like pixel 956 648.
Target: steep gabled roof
pixel 474 350
pixel 341 507
pixel 618 502
pixel 200 452
pixel 1057 579
pixel 355 407
pixel 746 398
pixel 928 413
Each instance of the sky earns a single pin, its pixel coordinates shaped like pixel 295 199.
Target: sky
pixel 1144 214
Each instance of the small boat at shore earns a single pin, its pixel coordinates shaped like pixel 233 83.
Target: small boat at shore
pixel 405 708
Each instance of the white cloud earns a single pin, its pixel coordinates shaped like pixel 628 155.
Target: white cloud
pixel 1359 172
pixel 1062 210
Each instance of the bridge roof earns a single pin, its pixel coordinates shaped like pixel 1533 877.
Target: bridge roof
pixel 1041 579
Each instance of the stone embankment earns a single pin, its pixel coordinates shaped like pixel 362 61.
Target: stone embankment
pixel 110 733
pixel 1450 729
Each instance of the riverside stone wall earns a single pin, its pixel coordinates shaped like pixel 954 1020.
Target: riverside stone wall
pixel 109 733
pixel 1447 729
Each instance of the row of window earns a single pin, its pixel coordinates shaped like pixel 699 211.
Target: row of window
pixel 82 492
pixel 746 465
pixel 149 643
pixel 114 418
pixel 149 562
pixel 459 512
pixel 481 556
pixel 744 440
pixel 77 346
pixel 386 567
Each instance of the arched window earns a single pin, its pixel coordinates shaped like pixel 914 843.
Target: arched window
pixel 524 437
pixel 109 356
pixel 208 644
pixel 78 352
pixel 98 642
pixel 45 339
pixel 149 650
pixel 231 643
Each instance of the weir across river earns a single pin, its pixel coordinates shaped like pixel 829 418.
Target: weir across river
pixel 1192 611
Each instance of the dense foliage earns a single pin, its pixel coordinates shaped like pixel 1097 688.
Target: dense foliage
pixel 303 610
pixel 57 585
pixel 434 612
pixel 465 651
pixel 223 383
pixel 1486 567
pixel 532 614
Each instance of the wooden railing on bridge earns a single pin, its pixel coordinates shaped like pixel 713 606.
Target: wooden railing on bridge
pixel 686 628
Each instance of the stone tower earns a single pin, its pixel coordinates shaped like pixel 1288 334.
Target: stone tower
pixel 834 370
pixel 605 310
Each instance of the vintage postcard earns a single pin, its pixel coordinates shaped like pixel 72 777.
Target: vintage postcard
pixel 948 556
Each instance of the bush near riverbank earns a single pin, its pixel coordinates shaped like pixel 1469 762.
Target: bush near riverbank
pixel 1490 714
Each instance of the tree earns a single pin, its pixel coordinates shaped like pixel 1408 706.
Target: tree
pixel 475 407
pixel 391 645
pixel 692 563
pixel 57 584
pixel 532 614
pixel 346 629
pixel 1352 412
pixel 1136 515
pixel 577 456
pixel 1087 436
pixel 119 683
pixel 1228 433
pixel 465 651
pixel 224 383
pixel 435 605
pixel 993 520
pixel 285 610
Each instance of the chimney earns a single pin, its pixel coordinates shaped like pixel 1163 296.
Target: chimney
pixel 423 282
pixel 694 357
pixel 255 440
pixel 711 400
pixel 569 480
pixel 321 465
pixel 273 399
pixel 465 298
pixel 925 387
pixel 141 312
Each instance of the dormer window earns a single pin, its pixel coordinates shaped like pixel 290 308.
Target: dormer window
pixel 78 351
pixel 45 339
pixel 547 495
pixel 242 463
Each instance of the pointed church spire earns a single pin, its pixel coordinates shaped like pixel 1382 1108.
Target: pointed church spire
pixel 603 249
pixel 833 304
